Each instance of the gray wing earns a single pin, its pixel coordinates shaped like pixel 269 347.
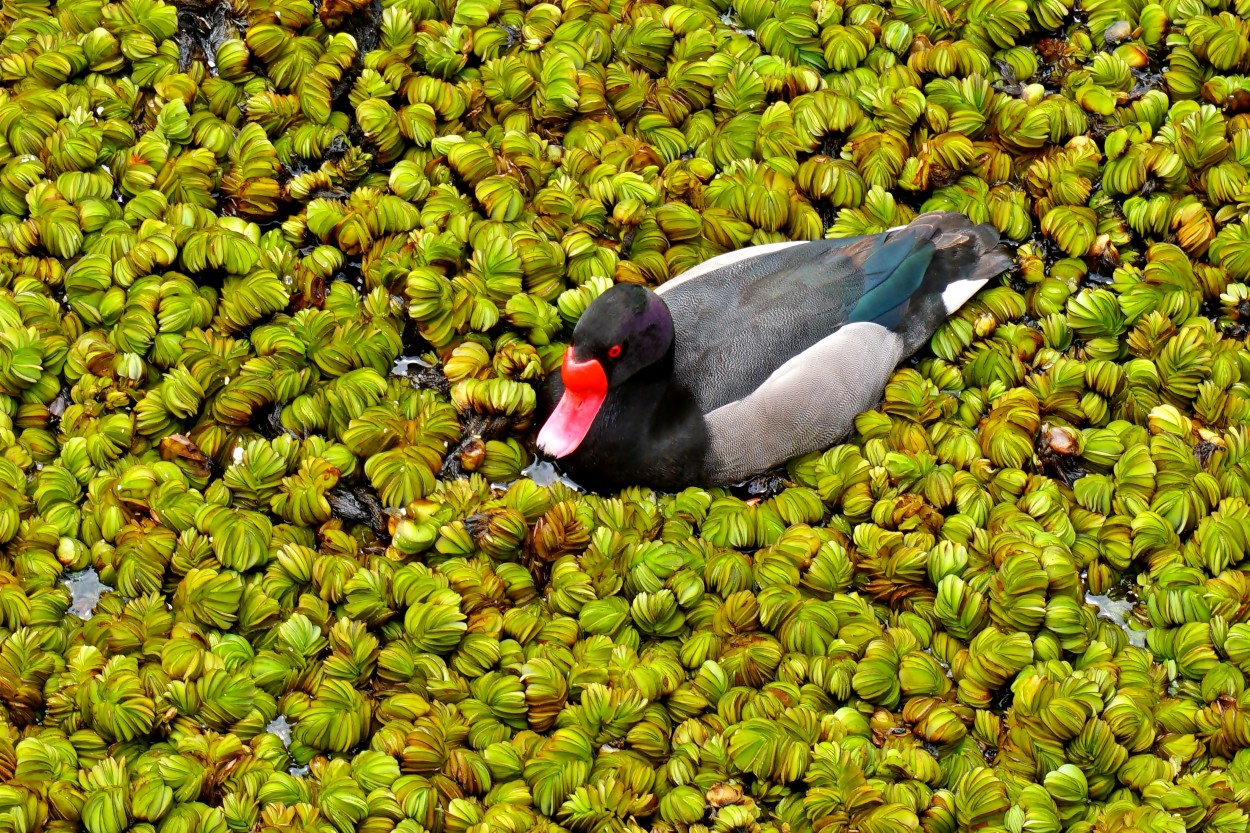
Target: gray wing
pixel 739 316
pixel 808 404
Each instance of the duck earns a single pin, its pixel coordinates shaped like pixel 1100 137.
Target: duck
pixel 753 357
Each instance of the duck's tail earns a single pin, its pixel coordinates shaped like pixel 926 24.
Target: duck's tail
pixel 957 256
pixel 967 257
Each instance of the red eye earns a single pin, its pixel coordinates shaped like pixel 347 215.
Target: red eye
pixel 614 350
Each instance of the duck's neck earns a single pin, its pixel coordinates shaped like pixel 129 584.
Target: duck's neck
pixel 653 384
pixel 650 432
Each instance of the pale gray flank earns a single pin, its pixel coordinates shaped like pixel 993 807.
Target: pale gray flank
pixel 808 403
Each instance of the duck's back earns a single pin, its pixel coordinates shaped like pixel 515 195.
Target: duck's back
pixel 741 316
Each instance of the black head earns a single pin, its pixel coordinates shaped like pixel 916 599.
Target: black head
pixel 625 329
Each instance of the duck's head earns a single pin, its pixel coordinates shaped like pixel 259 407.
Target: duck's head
pixel 623 331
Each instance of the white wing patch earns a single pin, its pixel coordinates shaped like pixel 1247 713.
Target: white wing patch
pixel 807 404
pixel 958 293
pixel 726 259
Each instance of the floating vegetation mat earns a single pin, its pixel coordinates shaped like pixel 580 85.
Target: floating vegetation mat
pixel 278 281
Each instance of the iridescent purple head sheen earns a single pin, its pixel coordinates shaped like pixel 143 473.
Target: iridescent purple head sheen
pixel 626 329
